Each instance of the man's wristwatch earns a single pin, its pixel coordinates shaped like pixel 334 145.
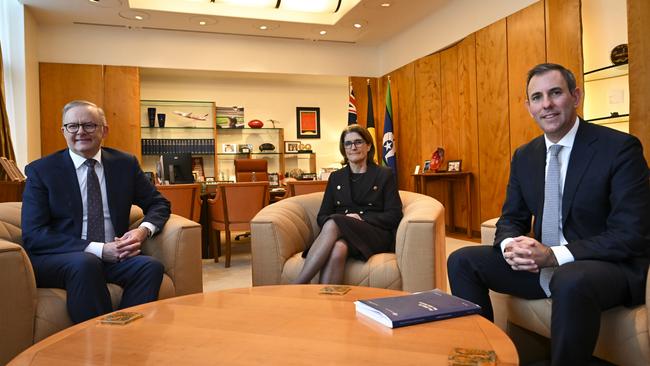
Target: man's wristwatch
pixel 146 229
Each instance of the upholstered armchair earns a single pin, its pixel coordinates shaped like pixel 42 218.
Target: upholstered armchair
pixel 281 231
pixel 623 338
pixel 29 314
pixel 298 187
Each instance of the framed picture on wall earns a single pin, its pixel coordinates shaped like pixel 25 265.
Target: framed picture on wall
pixel 308 122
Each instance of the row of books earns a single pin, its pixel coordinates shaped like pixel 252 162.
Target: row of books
pixel 177 146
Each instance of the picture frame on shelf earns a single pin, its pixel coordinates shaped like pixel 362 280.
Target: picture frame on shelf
pixel 245 148
pixel 427 166
pixel 308 176
pixel 230 117
pixel 291 147
pixel 454 165
pixel 274 180
pixel 229 148
pixel 308 122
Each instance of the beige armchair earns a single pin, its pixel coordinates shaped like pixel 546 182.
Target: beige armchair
pixel 281 231
pixel 623 338
pixel 29 314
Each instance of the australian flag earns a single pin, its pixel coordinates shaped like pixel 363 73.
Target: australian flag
pixel 352 108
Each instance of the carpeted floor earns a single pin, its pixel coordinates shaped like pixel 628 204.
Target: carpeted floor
pixel 217 277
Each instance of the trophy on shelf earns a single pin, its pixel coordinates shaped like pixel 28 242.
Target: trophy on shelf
pixel 151 113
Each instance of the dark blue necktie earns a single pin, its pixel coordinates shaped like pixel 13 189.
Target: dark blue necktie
pixel 95 227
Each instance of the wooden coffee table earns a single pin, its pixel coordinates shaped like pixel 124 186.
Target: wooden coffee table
pixel 291 325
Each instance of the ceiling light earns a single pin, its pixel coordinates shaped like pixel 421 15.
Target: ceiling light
pixel 203 22
pixel 385 5
pixel 357 25
pixel 313 6
pixel 322 33
pixel 139 17
pixel 255 3
pixel 263 27
pixel 94 1
pixel 134 15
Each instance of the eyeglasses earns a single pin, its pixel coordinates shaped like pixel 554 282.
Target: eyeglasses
pixel 356 143
pixel 74 127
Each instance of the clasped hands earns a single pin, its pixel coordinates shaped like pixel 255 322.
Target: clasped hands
pixel 126 246
pixel 524 253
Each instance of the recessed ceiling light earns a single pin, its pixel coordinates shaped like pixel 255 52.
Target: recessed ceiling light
pixel 263 27
pixel 139 17
pixel 134 15
pixel 357 25
pixel 322 33
pixel 94 1
pixel 203 22
pixel 385 5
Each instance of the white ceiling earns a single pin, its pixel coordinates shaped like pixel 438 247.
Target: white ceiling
pixel 379 24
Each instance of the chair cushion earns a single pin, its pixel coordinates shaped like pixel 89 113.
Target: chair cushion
pixel 379 271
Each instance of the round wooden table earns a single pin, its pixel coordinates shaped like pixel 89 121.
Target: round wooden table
pixel 283 325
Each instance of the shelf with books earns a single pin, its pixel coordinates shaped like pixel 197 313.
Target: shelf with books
pixel 177 127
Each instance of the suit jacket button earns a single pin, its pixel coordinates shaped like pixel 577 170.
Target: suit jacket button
pixel 346 211
pixel 360 212
pixel 370 204
pixel 338 202
pixel 338 187
pixel 374 188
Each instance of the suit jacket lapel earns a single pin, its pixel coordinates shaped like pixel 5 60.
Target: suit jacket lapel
pixel 111 177
pixel 581 155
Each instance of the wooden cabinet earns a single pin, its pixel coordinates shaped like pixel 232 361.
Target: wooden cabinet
pixel 114 88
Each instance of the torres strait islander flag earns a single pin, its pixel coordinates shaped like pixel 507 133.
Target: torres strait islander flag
pixel 388 142
pixel 352 108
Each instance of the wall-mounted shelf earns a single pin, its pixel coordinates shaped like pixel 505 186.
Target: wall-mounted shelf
pixel 607 72
pixel 610 119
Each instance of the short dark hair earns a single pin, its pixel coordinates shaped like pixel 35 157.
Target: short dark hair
pixel 84 103
pixel 546 67
pixel 365 135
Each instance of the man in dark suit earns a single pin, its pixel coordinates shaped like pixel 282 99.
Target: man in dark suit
pixel 75 218
pixel 586 187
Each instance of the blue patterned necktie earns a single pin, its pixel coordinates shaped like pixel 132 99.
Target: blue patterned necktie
pixel 95 227
pixel 551 215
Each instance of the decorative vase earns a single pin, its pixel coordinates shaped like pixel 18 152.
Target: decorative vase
pixel 151 113
pixel 619 54
pixel 161 119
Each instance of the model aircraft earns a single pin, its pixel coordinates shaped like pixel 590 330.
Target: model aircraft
pixel 190 115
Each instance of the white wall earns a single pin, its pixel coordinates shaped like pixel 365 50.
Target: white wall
pixel 263 96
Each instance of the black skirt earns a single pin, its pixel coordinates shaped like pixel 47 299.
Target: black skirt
pixel 363 240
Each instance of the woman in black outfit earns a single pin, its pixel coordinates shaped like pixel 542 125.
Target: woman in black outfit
pixel 360 212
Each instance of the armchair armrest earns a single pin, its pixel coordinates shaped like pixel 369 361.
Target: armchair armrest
pixel 278 232
pixel 178 247
pixel 420 243
pixel 18 305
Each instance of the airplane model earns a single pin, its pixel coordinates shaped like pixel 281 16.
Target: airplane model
pixel 192 116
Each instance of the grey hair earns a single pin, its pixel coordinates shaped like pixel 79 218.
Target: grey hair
pixel 84 103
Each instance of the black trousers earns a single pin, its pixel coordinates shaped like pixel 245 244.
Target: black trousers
pixel 84 277
pixel 581 290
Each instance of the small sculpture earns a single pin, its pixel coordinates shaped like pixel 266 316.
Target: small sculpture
pixel 273 122
pixel 267 146
pixel 437 158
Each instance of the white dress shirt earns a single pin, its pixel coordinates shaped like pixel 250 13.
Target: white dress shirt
pixel 96 248
pixel 562 254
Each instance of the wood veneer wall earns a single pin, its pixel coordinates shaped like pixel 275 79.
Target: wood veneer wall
pixel 114 88
pixel 638 28
pixel 469 99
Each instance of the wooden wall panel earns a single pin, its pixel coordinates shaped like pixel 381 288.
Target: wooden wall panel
pixel 564 36
pixel 526 34
pixel 405 127
pixel 638 13
pixel 493 128
pixel 428 85
pixel 60 84
pixel 467 113
pixel 122 108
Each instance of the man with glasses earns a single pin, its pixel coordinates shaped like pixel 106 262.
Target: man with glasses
pixel 75 219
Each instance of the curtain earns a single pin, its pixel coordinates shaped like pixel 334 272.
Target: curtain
pixel 6 148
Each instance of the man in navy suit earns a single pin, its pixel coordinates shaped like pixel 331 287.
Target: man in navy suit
pixel 75 218
pixel 602 225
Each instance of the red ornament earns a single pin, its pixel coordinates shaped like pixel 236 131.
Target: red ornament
pixel 437 158
pixel 255 123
